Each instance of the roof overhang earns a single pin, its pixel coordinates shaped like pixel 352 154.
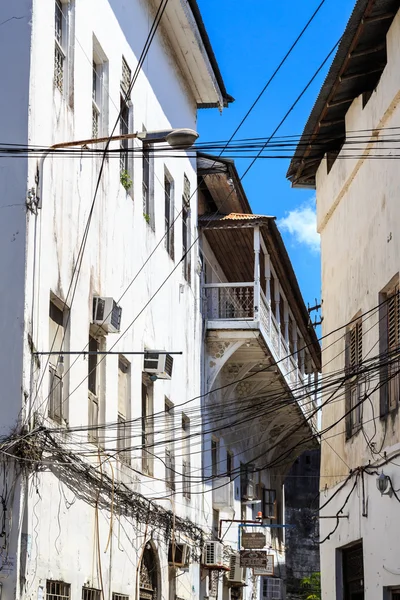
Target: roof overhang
pixel 183 27
pixel 356 69
pixel 223 182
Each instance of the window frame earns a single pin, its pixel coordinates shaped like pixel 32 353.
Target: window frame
pixel 147 422
pixel 186 230
pixel 169 445
pixel 390 384
pixel 63 67
pixel 269 499
pixel 353 389
pixel 186 468
pixel 123 424
pixel 148 183
pixel 58 314
pixel 169 208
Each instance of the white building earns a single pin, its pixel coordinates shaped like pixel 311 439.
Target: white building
pixel 261 360
pixel 96 504
pixel 349 154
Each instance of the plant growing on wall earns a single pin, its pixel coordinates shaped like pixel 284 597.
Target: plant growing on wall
pixel 311 587
pixel 126 180
pixel 146 217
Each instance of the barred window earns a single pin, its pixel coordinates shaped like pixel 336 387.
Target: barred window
pixel 59 52
pixel 119 596
pixel 57 590
pixel 186 457
pixel 169 213
pixel 91 594
pixel 186 230
pixel 169 445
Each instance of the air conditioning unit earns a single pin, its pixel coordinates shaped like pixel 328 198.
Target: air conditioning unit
pixel 107 314
pixel 158 364
pixel 271 588
pixel 236 573
pixel 179 555
pixel 222 493
pixel 213 555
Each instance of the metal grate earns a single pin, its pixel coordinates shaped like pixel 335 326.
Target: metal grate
pixel 58 590
pixel 91 594
pixel 59 59
pixel 126 77
pixel 95 120
pixel 119 596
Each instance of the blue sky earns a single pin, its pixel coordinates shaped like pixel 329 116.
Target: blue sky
pixel 249 38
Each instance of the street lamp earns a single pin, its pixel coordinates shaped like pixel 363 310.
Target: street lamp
pixel 176 138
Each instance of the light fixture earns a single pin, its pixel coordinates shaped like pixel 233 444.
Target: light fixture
pixel 383 484
pixel 60 366
pixel 182 138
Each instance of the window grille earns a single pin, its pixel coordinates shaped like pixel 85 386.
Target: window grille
pixel 169 445
pixel 353 571
pixel 95 101
pixel 119 596
pixel 55 395
pixel 147 428
pixel 58 590
pixel 91 594
pixel 59 54
pixel 272 588
pixel 126 77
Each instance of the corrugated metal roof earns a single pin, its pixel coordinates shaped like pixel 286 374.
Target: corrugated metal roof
pixel 356 68
pixel 233 217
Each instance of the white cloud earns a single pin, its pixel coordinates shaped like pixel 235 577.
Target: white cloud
pixel 301 223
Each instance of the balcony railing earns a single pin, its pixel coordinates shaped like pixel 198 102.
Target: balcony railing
pixel 233 303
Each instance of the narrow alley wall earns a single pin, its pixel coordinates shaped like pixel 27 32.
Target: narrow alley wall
pixel 301 510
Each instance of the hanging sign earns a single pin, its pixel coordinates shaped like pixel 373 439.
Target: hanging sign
pixel 253 540
pixel 258 559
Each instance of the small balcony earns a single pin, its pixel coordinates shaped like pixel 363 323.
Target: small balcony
pixel 267 305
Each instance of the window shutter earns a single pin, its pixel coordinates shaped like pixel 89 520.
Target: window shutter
pixel 393 320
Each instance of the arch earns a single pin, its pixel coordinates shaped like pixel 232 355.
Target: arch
pixel 149 574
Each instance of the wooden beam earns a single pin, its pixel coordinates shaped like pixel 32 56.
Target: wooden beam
pixel 361 74
pixel 339 102
pixel 330 123
pixel 358 53
pixel 382 17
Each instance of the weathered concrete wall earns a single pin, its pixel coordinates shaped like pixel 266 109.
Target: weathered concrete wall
pixel 358 215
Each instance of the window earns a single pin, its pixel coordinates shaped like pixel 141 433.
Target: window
pixel 91 594
pixel 147 184
pixel 99 91
pixel 186 226
pixel 389 319
pixel 59 53
pixel 57 590
pixel 269 503
pixel 272 294
pixel 169 445
pixel 229 464
pixel 119 596
pixel 353 359
pixel 147 426
pixel 124 125
pixel 214 457
pixel 353 572
pixel 123 428
pixel 93 391
pixel 215 523
pixel 247 481
pixel 63 50
pixel 169 213
pixel 186 457
pixel 57 341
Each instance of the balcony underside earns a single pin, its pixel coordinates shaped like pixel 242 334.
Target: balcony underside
pixel 252 403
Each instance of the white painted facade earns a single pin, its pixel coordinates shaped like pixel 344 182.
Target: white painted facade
pixel 53 530
pixel 358 213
